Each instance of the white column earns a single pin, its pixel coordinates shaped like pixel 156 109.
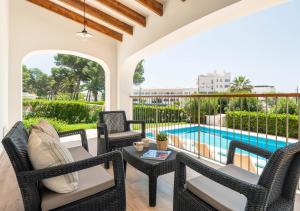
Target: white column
pixel 111 89
pixel 125 87
pixel 4 45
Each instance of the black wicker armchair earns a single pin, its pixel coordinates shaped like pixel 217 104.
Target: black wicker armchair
pixel 114 132
pixel 87 197
pixel 232 188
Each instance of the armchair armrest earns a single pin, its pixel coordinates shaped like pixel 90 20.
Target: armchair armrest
pixel 102 129
pixel 31 177
pixel 254 193
pixel 247 147
pixel 142 123
pixel 80 132
pixel 102 147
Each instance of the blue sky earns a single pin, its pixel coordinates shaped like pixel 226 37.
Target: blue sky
pixel 264 46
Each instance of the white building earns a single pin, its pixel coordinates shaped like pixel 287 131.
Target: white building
pixel 263 89
pixel 164 91
pixel 167 92
pixel 214 82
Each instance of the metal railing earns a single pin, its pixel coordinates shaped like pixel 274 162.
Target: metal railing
pixel 206 124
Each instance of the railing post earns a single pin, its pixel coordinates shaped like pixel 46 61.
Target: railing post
pixel 287 120
pixel 298 118
pixel 276 121
pixel 199 119
pixel 156 117
pixel 266 122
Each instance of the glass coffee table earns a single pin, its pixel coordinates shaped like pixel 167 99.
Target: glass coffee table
pixel 152 168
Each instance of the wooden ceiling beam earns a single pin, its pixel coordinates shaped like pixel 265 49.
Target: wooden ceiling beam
pixel 78 4
pixel 125 11
pixel 77 18
pixel 153 5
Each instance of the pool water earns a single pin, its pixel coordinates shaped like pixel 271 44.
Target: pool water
pixel 222 138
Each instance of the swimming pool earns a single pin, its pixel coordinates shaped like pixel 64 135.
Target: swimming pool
pixel 220 139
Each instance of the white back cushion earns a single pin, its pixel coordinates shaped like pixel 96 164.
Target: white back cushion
pixel 44 152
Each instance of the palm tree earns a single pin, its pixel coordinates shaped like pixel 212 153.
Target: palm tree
pixel 241 84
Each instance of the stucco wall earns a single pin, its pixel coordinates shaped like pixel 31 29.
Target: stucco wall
pixel 33 28
pixel 4 41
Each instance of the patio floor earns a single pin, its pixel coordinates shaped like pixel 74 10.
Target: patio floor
pixel 136 187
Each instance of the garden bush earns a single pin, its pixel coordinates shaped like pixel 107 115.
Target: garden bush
pixel 207 107
pixel 67 111
pixel 164 113
pixel 244 104
pixel 240 120
pixel 282 106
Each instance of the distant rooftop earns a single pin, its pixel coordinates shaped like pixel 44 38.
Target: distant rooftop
pixel 215 73
pixel 265 86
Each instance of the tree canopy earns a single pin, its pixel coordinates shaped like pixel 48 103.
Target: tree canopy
pixel 138 77
pixel 35 81
pixel 70 77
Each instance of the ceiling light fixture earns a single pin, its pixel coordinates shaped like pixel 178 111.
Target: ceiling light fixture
pixel 84 33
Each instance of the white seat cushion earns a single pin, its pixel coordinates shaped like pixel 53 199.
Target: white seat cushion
pixel 91 181
pixel 45 151
pixel 124 135
pixel 219 196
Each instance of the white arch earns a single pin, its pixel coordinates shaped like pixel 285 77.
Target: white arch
pixel 164 32
pixel 74 53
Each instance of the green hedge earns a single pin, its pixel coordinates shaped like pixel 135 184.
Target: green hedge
pixel 68 111
pixel 59 125
pixel 235 118
pixel 164 113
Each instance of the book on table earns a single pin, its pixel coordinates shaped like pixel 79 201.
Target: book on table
pixel 156 155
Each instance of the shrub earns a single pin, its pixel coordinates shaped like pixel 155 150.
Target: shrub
pixel 162 137
pixel 163 114
pixel 245 104
pixel 282 106
pixel 240 120
pixel 68 111
pixel 207 107
pixel 100 102
pixel 60 126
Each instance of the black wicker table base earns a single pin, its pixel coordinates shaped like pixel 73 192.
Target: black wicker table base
pixel 152 168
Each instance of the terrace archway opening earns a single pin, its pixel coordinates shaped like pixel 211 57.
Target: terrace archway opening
pixel 105 96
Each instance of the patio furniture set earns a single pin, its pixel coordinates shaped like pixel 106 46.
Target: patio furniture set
pixel 227 188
